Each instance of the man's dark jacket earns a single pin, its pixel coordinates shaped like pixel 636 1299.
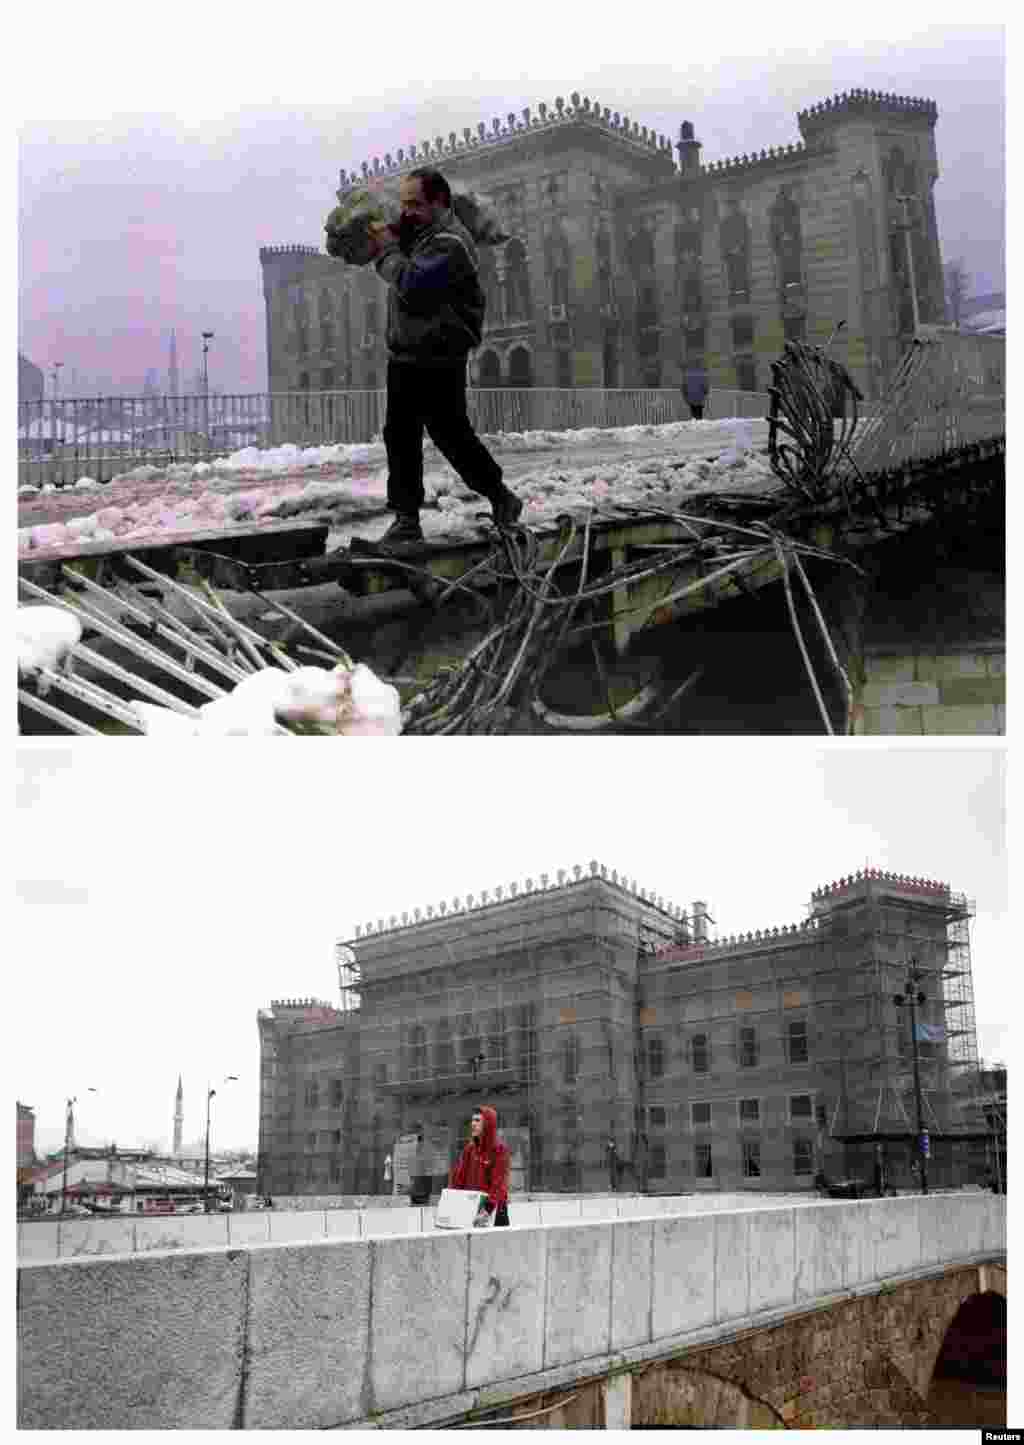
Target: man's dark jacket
pixel 435 300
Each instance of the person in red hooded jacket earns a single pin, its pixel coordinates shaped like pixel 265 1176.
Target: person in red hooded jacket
pixel 485 1166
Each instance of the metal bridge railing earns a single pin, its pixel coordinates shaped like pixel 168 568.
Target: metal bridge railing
pixel 62 440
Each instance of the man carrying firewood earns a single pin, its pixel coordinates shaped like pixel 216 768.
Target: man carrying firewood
pixel 435 318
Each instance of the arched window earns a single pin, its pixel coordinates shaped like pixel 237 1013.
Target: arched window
pixel 517 282
pixel 610 361
pixel 734 235
pixel 640 253
pixel 488 272
pixel 787 239
pixel 326 310
pixel 489 369
pixel 520 368
pixel 557 258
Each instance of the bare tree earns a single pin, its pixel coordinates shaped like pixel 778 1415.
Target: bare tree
pixel 957 281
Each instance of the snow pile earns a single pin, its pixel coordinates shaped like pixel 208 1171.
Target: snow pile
pixel 342 703
pixel 644 466
pixel 44 636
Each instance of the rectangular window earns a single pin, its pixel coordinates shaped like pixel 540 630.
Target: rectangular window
pixel 744 999
pixel 798 1042
pixel 655 1058
pixel 748 1048
pixel 750 1111
pixel 751 1158
pixel 656 1162
pixel 380 1073
pixel 803 1156
pixel 801 1108
pixel 702 1162
pixel 327 378
pixel 337 1095
pixel 336 1171
pixel 656 1116
pixel 570 1059
pixel 312 1094
pixel 746 373
pixel 337 1138
pixel 794 328
pixel 700 1115
pixel 742 332
pixel 311 1139
pixel 701 1053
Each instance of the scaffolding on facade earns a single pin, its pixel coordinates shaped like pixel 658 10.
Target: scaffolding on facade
pixel 625 1049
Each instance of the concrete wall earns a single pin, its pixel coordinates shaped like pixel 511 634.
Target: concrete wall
pixel 128 1234
pixel 312 1335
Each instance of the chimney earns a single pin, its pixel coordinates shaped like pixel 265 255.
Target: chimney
pixel 699 915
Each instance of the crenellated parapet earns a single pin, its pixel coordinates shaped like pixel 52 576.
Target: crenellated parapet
pixel 928 886
pixel 508 133
pixel 266 252
pixel 771 156
pixel 870 104
pixel 502 895
pixel 740 942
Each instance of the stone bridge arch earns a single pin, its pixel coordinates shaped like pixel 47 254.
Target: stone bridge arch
pixel 980 1309
pixel 684 1398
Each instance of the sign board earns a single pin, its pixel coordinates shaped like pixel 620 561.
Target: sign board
pixel 926 1145
pixel 402 1160
pixel 457 1208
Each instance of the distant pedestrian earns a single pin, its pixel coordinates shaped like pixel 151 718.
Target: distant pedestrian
pixel 485 1166
pixel 695 390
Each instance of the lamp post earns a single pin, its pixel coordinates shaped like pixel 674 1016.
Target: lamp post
pixel 207 338
pixel 67 1145
pixel 914 996
pixel 206 1168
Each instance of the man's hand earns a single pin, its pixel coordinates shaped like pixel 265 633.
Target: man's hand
pixel 381 235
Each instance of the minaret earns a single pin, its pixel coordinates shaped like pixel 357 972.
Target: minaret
pixel 172 370
pixel 179 1115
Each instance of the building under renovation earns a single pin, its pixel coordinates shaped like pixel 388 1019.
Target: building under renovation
pixel 625 1048
pixel 628 263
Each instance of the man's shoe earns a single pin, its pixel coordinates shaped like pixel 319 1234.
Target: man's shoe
pixel 405 530
pixel 507 509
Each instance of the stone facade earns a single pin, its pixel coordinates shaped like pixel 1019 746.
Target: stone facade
pixel 626 264
pixel 621 1047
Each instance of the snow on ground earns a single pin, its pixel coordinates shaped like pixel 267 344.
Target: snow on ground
pixel 346 484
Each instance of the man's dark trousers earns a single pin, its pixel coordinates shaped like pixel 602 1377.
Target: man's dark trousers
pixel 433 398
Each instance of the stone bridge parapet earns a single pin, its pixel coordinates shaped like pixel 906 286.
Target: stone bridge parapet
pixel 423 1329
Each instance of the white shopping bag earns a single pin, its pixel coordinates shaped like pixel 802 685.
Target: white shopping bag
pixel 458 1208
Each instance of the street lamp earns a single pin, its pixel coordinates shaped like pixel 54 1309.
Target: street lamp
pixel 914 996
pixel 206 1170
pixel 67 1145
pixel 207 338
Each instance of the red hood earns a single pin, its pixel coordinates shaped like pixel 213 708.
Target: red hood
pixel 489 1132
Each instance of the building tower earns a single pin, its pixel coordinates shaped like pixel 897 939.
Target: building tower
pixel 172 370
pixel 178 1109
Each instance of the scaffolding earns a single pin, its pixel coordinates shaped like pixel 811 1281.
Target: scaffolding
pixel 624 1048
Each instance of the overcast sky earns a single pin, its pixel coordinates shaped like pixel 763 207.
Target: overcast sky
pixel 160 149
pixel 167 895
